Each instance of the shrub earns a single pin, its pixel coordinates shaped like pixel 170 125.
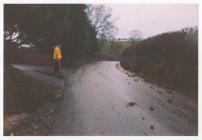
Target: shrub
pixel 169 58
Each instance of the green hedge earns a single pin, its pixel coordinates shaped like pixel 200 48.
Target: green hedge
pixel 169 58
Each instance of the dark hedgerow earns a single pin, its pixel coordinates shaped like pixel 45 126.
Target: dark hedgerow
pixel 169 58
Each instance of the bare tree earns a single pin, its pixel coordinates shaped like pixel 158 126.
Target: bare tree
pixel 100 18
pixel 136 35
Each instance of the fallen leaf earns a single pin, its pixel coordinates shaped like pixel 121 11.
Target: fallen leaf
pixel 151 108
pixel 152 127
pixel 131 104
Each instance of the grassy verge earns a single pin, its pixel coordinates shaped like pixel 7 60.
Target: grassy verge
pixel 24 95
pixel 37 123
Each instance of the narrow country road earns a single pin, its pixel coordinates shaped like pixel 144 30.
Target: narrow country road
pixel 100 99
pixel 96 103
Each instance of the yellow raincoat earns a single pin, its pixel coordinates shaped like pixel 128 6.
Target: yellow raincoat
pixel 57 53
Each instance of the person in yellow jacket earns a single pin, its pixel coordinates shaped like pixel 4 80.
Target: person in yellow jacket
pixel 57 56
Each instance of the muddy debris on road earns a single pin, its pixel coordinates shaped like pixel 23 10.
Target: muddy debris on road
pixel 151 108
pixel 169 101
pixel 159 92
pixel 152 127
pixel 130 104
pixel 130 75
pixel 136 80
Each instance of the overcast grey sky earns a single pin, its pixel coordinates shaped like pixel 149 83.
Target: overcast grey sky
pixel 152 19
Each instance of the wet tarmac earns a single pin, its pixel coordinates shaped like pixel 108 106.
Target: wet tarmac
pixel 101 99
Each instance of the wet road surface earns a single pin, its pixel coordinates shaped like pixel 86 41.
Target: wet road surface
pixel 100 99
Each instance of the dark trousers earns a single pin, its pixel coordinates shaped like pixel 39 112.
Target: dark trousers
pixel 57 65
